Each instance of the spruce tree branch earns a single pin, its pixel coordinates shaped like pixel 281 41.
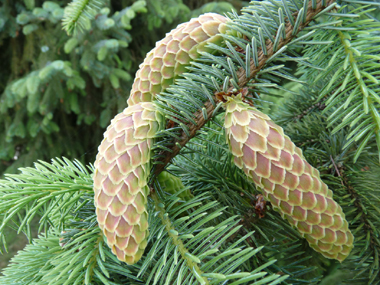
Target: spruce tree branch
pixel 167 156
pixel 78 12
pixel 92 262
pixel 175 239
pixel 303 112
pixel 364 219
pixel 353 63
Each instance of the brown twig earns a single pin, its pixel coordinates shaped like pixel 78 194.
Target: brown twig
pixel 167 156
pixel 336 169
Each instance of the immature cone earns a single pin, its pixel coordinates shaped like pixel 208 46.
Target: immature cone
pixel 173 53
pixel 287 180
pixel 122 164
pixel 173 185
pixel 122 167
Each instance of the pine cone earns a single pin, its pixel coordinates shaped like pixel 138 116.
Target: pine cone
pixel 122 164
pixel 171 55
pixel 120 180
pixel 286 179
pixel 173 184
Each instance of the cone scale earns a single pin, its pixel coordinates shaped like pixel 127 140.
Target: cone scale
pixel 122 164
pixel 287 180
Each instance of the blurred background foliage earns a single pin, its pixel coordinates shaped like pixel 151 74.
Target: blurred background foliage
pixel 59 92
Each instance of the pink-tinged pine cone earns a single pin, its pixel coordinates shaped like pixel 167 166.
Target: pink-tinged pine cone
pixel 286 179
pixel 122 164
pixel 169 58
pixel 122 167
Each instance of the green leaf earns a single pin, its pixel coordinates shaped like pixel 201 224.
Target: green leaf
pixel 22 18
pixel 105 117
pixel 102 53
pixel 33 102
pixel 30 28
pixel 17 129
pixel 114 81
pixel 29 4
pixel 122 74
pixel 33 127
pixel 20 88
pixel 32 83
pixel 70 45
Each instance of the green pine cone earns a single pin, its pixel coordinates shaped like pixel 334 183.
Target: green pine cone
pixel 173 184
pixel 122 168
pixel 286 179
pixel 169 58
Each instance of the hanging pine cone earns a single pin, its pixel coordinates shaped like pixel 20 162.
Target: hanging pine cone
pixel 122 164
pixel 120 180
pixel 286 179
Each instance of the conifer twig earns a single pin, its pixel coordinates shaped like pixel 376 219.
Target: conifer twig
pixel 358 205
pixel 175 239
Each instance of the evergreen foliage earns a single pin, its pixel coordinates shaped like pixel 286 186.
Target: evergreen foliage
pixel 321 57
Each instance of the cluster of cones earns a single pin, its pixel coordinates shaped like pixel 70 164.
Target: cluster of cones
pixel 259 147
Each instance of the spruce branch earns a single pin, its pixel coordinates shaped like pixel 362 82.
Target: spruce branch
pixel 78 13
pixel 177 241
pixel 191 242
pixel 360 209
pixel 362 206
pixel 47 190
pixel 368 221
pixel 204 115
pixel 368 103
pixel 350 65
pixel 296 111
